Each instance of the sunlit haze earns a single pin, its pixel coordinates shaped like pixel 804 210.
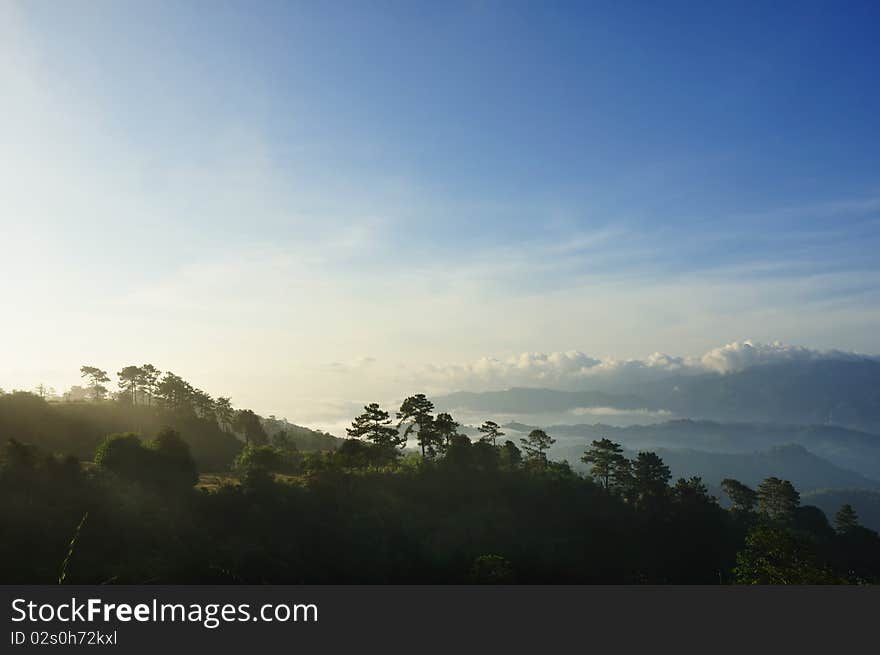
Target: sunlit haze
pixel 320 205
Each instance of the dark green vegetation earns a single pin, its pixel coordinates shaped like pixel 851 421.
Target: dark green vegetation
pixel 485 511
pixel 147 402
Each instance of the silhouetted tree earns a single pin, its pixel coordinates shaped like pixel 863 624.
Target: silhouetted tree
pixel 741 496
pixel 606 457
pixel 416 410
pixel 164 463
pixel 778 499
pixel 419 521
pixel 491 432
pixel 354 454
pixel 174 392
pixel 96 379
pixel 174 467
pixel 224 413
pixel 650 477
pixel 124 455
pixel 458 453
pixel 692 493
pixel 130 379
pixel 536 446
pixel 846 520
pixel 249 425
pixel 149 380
pixel 510 455
pixel 374 425
pixel 203 405
pixel 811 520
pixel 445 428
pixel 484 456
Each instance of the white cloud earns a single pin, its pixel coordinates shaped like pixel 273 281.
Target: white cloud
pixel 222 258
pixel 576 370
pixel 740 355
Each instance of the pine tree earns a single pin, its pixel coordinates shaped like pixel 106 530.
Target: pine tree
pixel 650 478
pixel 606 458
pixel 374 425
pixel 149 379
pixel 224 413
pixel 536 446
pixel 446 428
pixel 248 424
pixel 743 497
pixel 130 379
pixel 491 432
pixel 417 411
pixel 846 520
pixel 96 377
pixel 778 499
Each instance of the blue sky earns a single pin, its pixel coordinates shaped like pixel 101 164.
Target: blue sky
pixel 303 186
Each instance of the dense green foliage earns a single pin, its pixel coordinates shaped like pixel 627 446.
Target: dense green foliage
pixel 458 511
pixel 215 437
pixel 163 464
pixel 469 515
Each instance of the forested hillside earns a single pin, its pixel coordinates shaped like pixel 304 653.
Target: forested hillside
pixel 147 401
pixel 453 510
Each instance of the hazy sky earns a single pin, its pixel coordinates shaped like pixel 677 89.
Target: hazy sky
pixel 304 204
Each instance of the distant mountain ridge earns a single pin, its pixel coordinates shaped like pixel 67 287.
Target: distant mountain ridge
pixel 535 400
pixel 806 470
pixel 838 392
pixel 793 462
pixel 849 449
pixel 825 392
pixel 865 502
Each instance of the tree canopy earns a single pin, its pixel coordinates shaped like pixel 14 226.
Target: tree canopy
pixel 286 509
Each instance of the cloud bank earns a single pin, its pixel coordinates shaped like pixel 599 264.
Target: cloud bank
pixel 738 356
pixel 576 370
